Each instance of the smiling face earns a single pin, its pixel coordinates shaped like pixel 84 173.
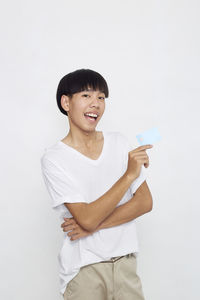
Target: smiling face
pixel 88 101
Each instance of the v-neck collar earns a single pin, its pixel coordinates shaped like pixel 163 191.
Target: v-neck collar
pixel 90 160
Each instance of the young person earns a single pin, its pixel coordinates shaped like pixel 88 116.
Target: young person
pixel 99 184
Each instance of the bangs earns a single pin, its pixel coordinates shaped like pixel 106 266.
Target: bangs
pixel 78 81
pixel 85 80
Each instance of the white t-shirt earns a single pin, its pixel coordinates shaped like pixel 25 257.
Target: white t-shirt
pixel 73 177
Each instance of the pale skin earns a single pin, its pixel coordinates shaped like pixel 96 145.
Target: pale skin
pixel 84 138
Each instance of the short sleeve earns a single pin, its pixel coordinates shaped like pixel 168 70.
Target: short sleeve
pixel 143 173
pixel 139 180
pixel 60 186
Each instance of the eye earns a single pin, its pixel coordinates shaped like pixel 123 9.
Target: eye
pixel 85 95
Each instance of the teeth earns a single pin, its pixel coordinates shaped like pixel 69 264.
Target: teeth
pixel 91 115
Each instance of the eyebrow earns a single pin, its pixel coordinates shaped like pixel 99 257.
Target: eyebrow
pixel 93 91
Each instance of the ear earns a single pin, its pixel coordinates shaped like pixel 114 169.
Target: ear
pixel 64 101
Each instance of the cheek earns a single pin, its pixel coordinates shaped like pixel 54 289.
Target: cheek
pixel 79 108
pixel 103 107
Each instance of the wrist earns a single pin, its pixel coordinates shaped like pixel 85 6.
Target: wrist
pixel 100 226
pixel 130 177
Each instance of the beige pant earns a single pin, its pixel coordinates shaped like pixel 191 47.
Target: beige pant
pixel 114 279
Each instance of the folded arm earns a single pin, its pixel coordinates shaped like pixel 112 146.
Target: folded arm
pixel 90 215
pixel 138 205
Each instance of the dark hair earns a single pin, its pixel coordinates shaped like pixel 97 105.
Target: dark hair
pixel 79 81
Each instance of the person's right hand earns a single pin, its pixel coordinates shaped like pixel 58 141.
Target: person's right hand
pixel 136 158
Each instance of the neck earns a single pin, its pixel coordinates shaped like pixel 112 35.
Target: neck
pixel 82 138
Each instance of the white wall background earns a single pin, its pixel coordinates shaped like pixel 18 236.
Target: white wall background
pixel 148 51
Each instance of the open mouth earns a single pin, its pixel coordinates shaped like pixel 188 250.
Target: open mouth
pixel 91 119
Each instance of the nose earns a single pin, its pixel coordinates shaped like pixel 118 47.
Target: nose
pixel 94 101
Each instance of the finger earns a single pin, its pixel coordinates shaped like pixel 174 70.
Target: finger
pixel 75 231
pixel 66 220
pixel 67 223
pixel 148 146
pixel 146 163
pixel 75 237
pixel 72 226
pixel 69 219
pixel 143 147
pixel 64 224
pixel 68 227
pixel 140 154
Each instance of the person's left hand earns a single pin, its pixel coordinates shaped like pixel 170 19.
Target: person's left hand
pixel 76 230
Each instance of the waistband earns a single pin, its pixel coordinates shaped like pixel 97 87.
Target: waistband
pixel 115 258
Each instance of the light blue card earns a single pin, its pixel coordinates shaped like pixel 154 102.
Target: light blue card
pixel 149 136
